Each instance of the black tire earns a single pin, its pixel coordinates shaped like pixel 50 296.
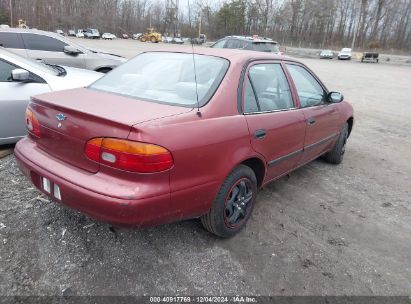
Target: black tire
pixel 336 155
pixel 104 70
pixel 232 206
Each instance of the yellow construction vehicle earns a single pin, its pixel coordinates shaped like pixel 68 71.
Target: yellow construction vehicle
pixel 151 36
pixel 22 24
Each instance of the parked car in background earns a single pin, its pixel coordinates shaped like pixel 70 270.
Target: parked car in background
pixel 199 40
pixel 177 40
pixel 326 54
pixel 248 43
pixel 80 34
pixel 345 54
pixel 108 36
pixel 60 32
pixel 167 39
pixel 71 33
pixel 114 150
pixel 124 36
pixel 136 36
pixel 91 34
pixel 370 57
pixel 55 49
pixel 21 78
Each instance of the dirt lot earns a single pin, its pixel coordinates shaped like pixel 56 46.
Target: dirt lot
pixel 324 230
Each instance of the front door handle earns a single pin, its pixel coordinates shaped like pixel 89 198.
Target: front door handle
pixel 260 134
pixel 311 121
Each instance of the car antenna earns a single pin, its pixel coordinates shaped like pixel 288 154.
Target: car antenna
pixel 194 63
pixel 195 78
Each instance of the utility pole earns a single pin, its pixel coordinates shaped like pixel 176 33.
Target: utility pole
pixel 199 25
pixel 11 13
pixel 356 25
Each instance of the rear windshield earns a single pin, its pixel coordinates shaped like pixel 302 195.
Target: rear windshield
pixel 265 47
pixel 166 78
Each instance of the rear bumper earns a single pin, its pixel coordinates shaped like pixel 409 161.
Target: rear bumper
pixel 142 212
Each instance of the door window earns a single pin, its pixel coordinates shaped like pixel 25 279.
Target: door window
pixel 219 44
pixel 269 86
pixel 43 43
pixel 11 40
pixel 5 71
pixel 309 90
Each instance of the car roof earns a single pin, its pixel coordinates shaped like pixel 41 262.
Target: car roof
pixel 233 55
pixel 20 30
pixel 45 33
pixel 252 40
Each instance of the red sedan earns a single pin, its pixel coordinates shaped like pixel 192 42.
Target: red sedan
pixel 170 136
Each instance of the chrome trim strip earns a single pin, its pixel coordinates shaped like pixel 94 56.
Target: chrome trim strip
pixel 273 111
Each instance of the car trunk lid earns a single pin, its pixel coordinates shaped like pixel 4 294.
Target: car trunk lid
pixel 68 119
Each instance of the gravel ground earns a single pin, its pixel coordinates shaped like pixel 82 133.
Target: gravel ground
pixel 323 230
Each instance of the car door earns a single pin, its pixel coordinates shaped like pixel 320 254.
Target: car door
pixel 13 42
pixel 14 98
pixel 51 50
pixel 322 117
pixel 276 125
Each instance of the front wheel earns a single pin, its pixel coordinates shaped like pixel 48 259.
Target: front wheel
pixel 336 155
pixel 234 203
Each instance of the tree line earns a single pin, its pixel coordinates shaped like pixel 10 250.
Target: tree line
pixel 366 24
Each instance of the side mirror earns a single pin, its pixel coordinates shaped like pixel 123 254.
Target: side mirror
pixel 20 75
pixel 335 97
pixel 71 50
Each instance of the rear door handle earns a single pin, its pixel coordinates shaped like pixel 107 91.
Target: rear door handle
pixel 311 121
pixel 260 134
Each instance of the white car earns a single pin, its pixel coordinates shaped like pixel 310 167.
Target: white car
pixel 345 54
pixel 108 36
pixel 80 34
pixel 21 78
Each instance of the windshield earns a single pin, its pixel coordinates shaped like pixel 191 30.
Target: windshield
pixel 19 60
pixel 166 78
pixel 265 47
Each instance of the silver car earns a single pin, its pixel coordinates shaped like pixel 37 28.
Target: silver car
pixel 21 78
pixel 53 48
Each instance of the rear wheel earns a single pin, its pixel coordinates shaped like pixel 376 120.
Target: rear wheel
pixel 336 155
pixel 234 203
pixel 143 39
pixel 153 39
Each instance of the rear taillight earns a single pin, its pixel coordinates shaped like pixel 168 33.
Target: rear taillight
pixel 129 155
pixel 32 123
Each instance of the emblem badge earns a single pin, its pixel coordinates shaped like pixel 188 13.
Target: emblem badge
pixel 61 117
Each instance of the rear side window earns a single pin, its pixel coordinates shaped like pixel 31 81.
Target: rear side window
pixel 219 44
pixel 250 103
pixel 264 47
pixel 236 44
pixel 43 43
pixel 11 41
pixel 5 71
pixel 270 87
pixel 309 90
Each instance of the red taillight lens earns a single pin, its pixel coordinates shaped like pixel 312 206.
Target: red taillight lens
pixel 129 155
pixel 32 123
